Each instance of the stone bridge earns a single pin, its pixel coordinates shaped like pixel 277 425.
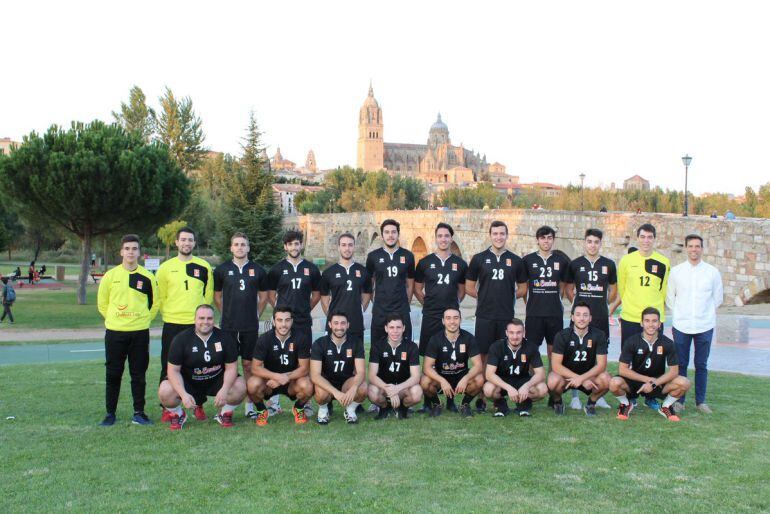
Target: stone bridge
pixel 739 248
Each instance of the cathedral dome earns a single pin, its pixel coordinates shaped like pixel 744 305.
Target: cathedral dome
pixel 439 126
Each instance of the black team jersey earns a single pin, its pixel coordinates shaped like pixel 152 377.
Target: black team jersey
pixel 394 363
pixel 649 360
pixel 390 272
pixel 544 284
pixel 513 365
pixel 441 279
pixel 452 358
pixel 338 363
pixel 345 286
pixel 592 281
pixel 293 286
pixel 496 281
pixel 202 359
pixel 240 288
pixel 579 355
pixel 281 357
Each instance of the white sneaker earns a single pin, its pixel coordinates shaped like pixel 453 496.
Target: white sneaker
pixel 323 415
pixel 373 408
pixel 274 405
pixel 350 416
pixel 602 403
pixel 575 403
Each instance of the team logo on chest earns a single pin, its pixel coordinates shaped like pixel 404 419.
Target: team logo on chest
pixel 523 357
pixel 403 260
pixel 590 343
pixel 403 356
pixel 604 270
pixel 660 350
pixel 349 352
pixel 358 273
pixel 306 272
pixel 139 284
pixel 572 343
pixel 218 346
pixel 462 348
pixel 508 262
pixel 654 268
pixel 230 273
pixel 251 272
pixel 196 273
pixel 556 265
pixel 195 349
pixel 454 266
pixel 291 347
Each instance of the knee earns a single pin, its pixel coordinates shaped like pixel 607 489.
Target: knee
pixel 603 381
pixel 362 390
pixel 555 382
pixel 425 383
pixel 305 386
pixel 682 383
pixel 489 390
pixel 374 394
pixel 616 385
pixel 255 385
pixel 237 391
pixel 541 390
pixel 478 382
pixel 415 394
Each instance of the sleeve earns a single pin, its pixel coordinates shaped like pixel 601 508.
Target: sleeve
pixel 162 286
pixel 303 349
pixel 472 272
pixel 231 349
pixel 463 271
pixel 176 351
pixel 522 275
pixel 570 274
pixel 493 357
pixel 410 265
pixel 218 278
pixel 367 283
pixel 316 352
pixel 358 351
pixel 323 284
pixel 315 277
pixel 272 278
pixel 370 265
pixel 155 296
pixel 208 295
pixel 671 291
pixel 558 343
pixel 374 353
pixel 103 296
pixel 622 277
pixel 602 345
pixel 613 273
pixel 263 279
pixel 473 347
pixel 718 288
pixel 535 361
pixel 665 278
pixel 672 356
pixel 260 349
pixel 626 352
pixel 431 349
pixel 419 272
pixel 414 355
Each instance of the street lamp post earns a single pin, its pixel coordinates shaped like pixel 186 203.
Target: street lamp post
pixel 582 178
pixel 686 160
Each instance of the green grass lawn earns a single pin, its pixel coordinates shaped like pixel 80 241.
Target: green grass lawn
pixel 56 458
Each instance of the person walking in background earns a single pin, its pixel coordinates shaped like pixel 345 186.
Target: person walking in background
pixel 31 272
pixel 694 292
pixel 9 296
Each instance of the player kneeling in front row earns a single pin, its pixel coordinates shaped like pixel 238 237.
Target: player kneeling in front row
pixel 280 365
pixel 202 361
pixel 394 370
pixel 338 369
pixel 642 369
pixel 579 361
pixel 515 369
pixel 447 366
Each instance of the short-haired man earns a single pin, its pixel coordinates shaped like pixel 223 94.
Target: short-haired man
pixel 642 282
pixel 202 361
pixel 394 370
pixel 240 294
pixel 452 365
pixel 280 365
pixel 579 361
pixel 695 292
pixel 128 302
pixel 548 273
pixel 294 282
pixel 392 270
pixel 514 369
pixel 338 369
pixel 593 279
pixel 496 277
pixel 346 287
pixel 642 369
pixel 184 283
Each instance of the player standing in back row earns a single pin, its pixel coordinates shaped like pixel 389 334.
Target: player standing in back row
pixel 240 294
pixel 496 277
pixel 184 283
pixel 392 270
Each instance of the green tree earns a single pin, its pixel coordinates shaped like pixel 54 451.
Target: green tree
pixel 94 179
pixel 750 204
pixel 135 116
pixel 167 233
pixel 248 204
pixel 180 129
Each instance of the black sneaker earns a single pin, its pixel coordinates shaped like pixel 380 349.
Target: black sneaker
pixel 359 409
pixel 435 411
pixel 523 409
pixel 425 409
pixel 590 409
pixel 558 408
pixel 551 402
pixel 383 414
pixel 140 418
pixel 450 405
pixel 402 412
pixel 501 409
pixel 481 405
pixel 108 420
pixel 465 411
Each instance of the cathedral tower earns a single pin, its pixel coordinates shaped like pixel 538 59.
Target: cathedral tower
pixel 371 148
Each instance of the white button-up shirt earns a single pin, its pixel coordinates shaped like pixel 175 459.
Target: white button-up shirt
pixel 694 293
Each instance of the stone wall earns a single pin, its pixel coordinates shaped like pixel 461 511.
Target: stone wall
pixel 739 248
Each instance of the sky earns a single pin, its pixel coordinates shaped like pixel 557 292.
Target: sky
pixel 549 89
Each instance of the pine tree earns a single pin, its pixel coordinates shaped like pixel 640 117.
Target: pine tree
pixel 248 204
pixel 136 116
pixel 179 128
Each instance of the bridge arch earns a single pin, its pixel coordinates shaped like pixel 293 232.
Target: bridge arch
pixel 419 249
pixel 455 248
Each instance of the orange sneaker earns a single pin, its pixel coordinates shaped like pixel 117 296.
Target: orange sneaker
pixel 625 410
pixel 299 416
pixel 261 419
pixel 667 413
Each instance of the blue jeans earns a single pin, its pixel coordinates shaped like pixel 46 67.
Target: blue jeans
pixel 702 349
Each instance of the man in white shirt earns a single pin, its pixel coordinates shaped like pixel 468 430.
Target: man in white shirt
pixel 694 293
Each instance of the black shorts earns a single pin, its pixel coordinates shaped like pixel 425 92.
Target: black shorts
pixel 284 390
pixel 246 340
pixel 488 331
pixel 602 324
pixel 303 328
pixel 633 387
pixel 200 389
pixel 453 379
pixel 516 383
pixel 429 328
pixel 581 389
pixel 538 328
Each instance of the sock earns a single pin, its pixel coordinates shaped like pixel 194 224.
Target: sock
pixel 261 406
pixel 468 398
pixel 228 408
pixel 249 407
pixel 574 393
pixel 669 401
pixel 323 410
pixel 623 399
pixel 432 400
pixel 352 408
pixel 299 405
pixel 590 401
pixel 176 410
